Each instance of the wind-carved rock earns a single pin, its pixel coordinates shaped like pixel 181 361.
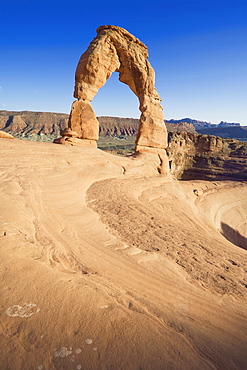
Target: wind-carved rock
pixel 115 49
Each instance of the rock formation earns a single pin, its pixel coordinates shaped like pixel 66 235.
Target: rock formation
pixel 27 123
pixel 193 156
pixel 115 49
pixel 5 135
pixel 47 123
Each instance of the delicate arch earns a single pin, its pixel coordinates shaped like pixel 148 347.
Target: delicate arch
pixel 115 49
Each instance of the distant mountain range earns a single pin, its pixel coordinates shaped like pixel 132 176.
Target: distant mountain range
pixel 223 129
pixel 203 124
pixel 236 132
pixel 26 123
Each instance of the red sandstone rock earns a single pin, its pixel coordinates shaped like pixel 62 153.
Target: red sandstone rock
pixel 115 49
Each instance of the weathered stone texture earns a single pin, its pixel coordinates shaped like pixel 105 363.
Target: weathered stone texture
pixel 115 49
pixel 193 156
pixel 83 121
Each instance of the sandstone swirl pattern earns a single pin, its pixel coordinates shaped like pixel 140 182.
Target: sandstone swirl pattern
pixel 105 268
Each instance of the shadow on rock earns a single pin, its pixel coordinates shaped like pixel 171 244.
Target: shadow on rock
pixel 233 236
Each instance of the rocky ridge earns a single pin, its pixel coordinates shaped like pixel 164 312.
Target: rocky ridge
pixel 237 132
pixel 193 156
pixel 204 124
pixel 28 123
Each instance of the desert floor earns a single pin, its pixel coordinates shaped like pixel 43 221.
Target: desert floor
pixel 107 265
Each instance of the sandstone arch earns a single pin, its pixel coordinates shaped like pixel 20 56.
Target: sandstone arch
pixel 115 49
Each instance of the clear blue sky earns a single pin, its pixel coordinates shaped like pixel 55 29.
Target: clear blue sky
pixel 197 48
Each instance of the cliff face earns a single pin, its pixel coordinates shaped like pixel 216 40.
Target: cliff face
pixel 52 123
pixel 33 122
pixel 193 156
pixel 46 123
pixel 116 126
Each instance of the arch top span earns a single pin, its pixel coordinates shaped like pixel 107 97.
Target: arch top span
pixel 115 49
pixel 124 33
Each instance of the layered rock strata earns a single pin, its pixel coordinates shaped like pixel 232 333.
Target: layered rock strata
pixel 47 123
pixel 193 156
pixel 27 123
pixel 115 49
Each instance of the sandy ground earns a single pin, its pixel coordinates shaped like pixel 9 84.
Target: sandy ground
pixel 106 265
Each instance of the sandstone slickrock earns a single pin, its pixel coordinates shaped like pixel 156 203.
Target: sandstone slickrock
pixel 5 135
pixel 139 268
pixel 115 49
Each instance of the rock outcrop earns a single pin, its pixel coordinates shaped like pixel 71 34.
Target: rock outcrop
pixel 115 49
pixel 193 156
pixel 5 135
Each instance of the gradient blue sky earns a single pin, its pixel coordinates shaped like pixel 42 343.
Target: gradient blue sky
pixel 197 48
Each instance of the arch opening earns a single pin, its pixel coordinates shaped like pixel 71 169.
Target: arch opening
pixel 115 99
pixel 115 50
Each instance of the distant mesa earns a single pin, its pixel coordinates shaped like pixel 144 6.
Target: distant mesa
pixel 237 132
pixel 203 124
pixel 34 125
pixel 227 124
pixel 27 123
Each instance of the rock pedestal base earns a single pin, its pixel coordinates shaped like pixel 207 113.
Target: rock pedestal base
pixel 75 142
pixel 83 120
pixel 70 137
pixel 161 153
